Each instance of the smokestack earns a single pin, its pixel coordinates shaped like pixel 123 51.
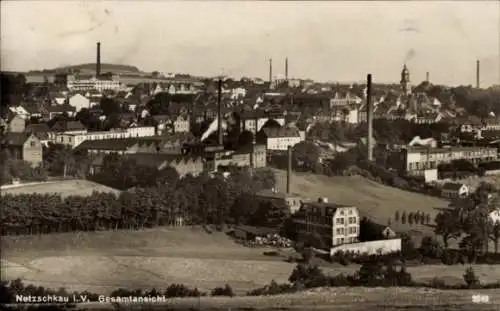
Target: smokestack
pixel 369 114
pixel 98 61
pixel 286 69
pixel 289 171
pixel 219 114
pixel 270 70
pixel 427 77
pixel 477 73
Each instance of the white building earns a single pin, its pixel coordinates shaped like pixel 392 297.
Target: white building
pixel 495 216
pixel 415 160
pixel 279 139
pixel 79 102
pixel 92 83
pixel 335 224
pixel 454 190
pixel 74 140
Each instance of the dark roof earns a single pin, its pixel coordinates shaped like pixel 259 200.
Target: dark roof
pixel 39 130
pixel 120 144
pixel 14 139
pixel 60 108
pixel 281 132
pixel 274 195
pixel 256 230
pixel 157 159
pixel 451 186
pixel 64 126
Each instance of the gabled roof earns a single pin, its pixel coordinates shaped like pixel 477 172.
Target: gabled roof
pixel 281 132
pixel 60 108
pixel 64 126
pixel 120 144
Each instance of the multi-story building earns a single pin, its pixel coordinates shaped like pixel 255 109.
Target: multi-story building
pixel 24 146
pixel 85 83
pixel 15 123
pixel 79 102
pixel 279 139
pixel 183 164
pixel 332 224
pixel 74 140
pixel 253 121
pixel 415 160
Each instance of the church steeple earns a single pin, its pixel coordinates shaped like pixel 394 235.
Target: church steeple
pixel 405 81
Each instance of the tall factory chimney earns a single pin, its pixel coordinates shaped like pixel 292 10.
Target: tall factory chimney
pixel 286 69
pixel 369 115
pixel 219 114
pixel 289 171
pixel 427 77
pixel 270 70
pixel 477 73
pixel 98 61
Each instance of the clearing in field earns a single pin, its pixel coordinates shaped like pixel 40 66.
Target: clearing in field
pixel 65 188
pixel 104 261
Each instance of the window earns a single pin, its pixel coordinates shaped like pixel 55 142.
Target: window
pixel 32 144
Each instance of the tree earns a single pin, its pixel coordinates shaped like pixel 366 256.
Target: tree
pixel 403 218
pixel 410 218
pixel 430 247
pixel 305 155
pixel 245 138
pixel 396 216
pixel 495 235
pixel 428 218
pixel 447 226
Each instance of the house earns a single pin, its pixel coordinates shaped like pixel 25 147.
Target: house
pixel 20 110
pixel 414 160
pixel 78 101
pixel 293 201
pixel 15 123
pixel 495 215
pixel 57 98
pixel 332 224
pixel 181 124
pixel 41 131
pixel 22 146
pixel 51 111
pixel 279 139
pixel 454 190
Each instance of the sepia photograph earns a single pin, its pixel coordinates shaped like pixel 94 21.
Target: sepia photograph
pixel 250 155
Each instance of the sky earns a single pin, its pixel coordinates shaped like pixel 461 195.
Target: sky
pixel 325 41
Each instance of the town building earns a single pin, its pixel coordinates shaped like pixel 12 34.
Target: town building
pixel 293 201
pixel 22 146
pixel 415 160
pixel 183 164
pixel 73 140
pixel 85 83
pixel 454 190
pixel 279 139
pixel 15 123
pixel 332 224
pixel 253 121
pixel 78 101
pixel 41 131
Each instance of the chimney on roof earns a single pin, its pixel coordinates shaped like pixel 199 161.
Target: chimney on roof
pixel 270 70
pixel 286 69
pixel 289 171
pixel 98 61
pixel 427 77
pixel 369 114
pixel 477 73
pixel 219 114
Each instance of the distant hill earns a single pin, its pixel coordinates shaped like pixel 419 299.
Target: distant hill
pixel 90 68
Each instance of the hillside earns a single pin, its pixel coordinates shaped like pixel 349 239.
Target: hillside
pixel 90 68
pixel 377 201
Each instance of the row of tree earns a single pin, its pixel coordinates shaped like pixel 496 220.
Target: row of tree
pixel 192 200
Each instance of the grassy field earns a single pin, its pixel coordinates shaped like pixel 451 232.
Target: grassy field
pixel 65 188
pixel 377 201
pixel 103 261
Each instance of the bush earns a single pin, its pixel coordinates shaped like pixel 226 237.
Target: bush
pixel 271 253
pixel 431 248
pixel 470 278
pixel 223 291
pixel 180 290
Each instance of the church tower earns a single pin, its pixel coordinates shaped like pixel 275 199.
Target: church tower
pixel 405 81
